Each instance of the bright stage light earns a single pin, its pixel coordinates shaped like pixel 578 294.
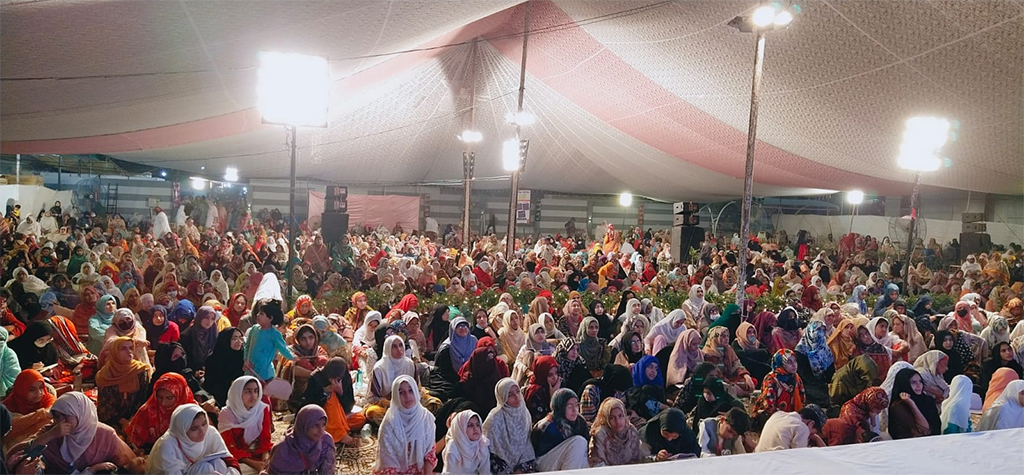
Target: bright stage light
pixel 626 198
pixel 522 118
pixel 230 174
pixel 923 138
pixel 198 183
pixel 764 16
pixel 510 154
pixel 293 89
pixel 783 18
pixel 471 136
pixel 855 197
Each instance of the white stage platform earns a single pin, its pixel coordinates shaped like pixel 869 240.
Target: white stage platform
pixel 989 453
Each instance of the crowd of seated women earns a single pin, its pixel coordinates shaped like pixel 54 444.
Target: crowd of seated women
pixel 175 366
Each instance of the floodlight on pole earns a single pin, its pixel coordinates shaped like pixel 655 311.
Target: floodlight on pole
pixel 762 20
pixel 510 154
pixel 198 183
pixel 854 197
pixel 230 174
pixel 471 136
pixel 293 90
pixel 923 139
pixel 626 199
pixel 521 118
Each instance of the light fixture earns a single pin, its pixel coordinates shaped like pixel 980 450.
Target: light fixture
pixel 198 183
pixel 783 18
pixel 923 138
pixel 764 16
pixel 471 136
pixel 510 154
pixel 202 167
pixel 293 89
pixel 231 174
pixel 521 118
pixel 163 173
pixel 854 197
pixel 625 199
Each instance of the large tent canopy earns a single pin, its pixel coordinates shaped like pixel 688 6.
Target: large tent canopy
pixel 649 97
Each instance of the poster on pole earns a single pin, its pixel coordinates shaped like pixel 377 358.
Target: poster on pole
pixel 523 207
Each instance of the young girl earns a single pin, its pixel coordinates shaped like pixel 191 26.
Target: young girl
pixel 245 422
pixel 309 357
pixel 154 417
pixel 330 387
pixel 191 445
pixel 263 341
pixel 307 448
pixel 466 449
pixel 406 433
pixel 158 328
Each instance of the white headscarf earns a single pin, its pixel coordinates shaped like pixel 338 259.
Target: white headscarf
pixel 31 284
pixel 694 303
pixel 235 415
pixel 665 327
pixel 388 369
pixel 362 334
pixel 218 282
pixel 956 409
pixel 174 452
pixel 1006 412
pixel 925 365
pixel 508 428
pixel 269 288
pixel 78 405
pixel 406 434
pixel 462 455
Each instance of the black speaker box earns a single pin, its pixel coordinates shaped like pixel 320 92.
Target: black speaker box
pixel 335 225
pixel 689 238
pixel 974 243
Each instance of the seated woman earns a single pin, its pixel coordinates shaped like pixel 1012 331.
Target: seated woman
pixel 543 383
pixel 615 380
pixel 665 332
pixel 511 337
pixel 667 437
pixel 1002 357
pixel 692 391
pixel 854 421
pixel 955 415
pixel 78 441
pixel 392 365
pixel 552 331
pixel 191 445
pixel 507 428
pixel 686 355
pixel 466 450
pixel 245 423
pixel 479 375
pixel 715 401
pixel 571 366
pixel 560 438
pixel 122 384
pixel 1007 411
pixel 593 349
pixel 718 352
pixel 538 341
pixel 309 356
pixel 752 354
pixel 1000 379
pixel 867 344
pixel 71 353
pixel 99 322
pixel 628 356
pixel 647 396
pixel 170 358
pixel 782 389
pixel 332 342
pixel 154 417
pixel 307 447
pixel 406 436
pixel 224 365
pixel 159 328
pixel 933 365
pixel 363 341
pixel 723 434
pixel 912 412
pixel 330 387
pixel 453 352
pixel 786 333
pixel 34 348
pixel 613 440
pixel 125 324
pixel 842 343
pixel 29 401
pixel 859 374
pixel 199 339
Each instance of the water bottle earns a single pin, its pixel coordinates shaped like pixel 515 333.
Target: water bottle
pixel 365 434
pixel 359 380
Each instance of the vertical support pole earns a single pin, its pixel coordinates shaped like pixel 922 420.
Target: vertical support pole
pixel 913 224
pixel 510 237
pixel 291 218
pixel 748 175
